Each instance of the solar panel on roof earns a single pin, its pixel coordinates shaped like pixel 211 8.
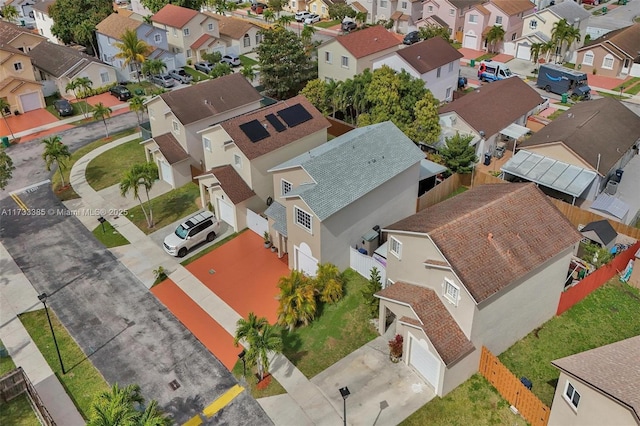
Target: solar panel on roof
pixel 254 130
pixel 277 124
pixel 294 115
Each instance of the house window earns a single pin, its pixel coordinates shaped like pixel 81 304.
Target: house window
pixel 395 247
pixel 571 395
pixel 286 187
pixel 237 161
pixel 258 38
pixel 498 20
pixel 189 53
pixel 473 19
pixel 429 8
pixel 345 62
pixel 207 144
pixel 447 95
pixel 403 5
pixel 246 40
pixel 210 26
pixel 588 58
pixel 438 72
pixel 513 36
pixel 327 57
pixel 185 32
pixel 175 32
pixel 451 291
pixel 302 218
pixel 104 76
pixel 315 8
pixel 157 38
pixel 176 127
pixel 324 10
pixel 17 66
pixel 533 24
pixel 607 62
pixel 450 66
pixel 21 49
pixel 452 12
pixel 383 3
pixel 293 5
pixel 104 57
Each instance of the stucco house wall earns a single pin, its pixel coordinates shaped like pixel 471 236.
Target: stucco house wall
pixel 604 62
pixel 330 67
pixel 44 24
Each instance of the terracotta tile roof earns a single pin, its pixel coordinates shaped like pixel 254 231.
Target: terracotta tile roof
pixel 514 225
pixel 231 27
pixel 210 98
pixel 429 54
pixel 599 131
pixel 367 41
pixel 174 16
pixel 202 40
pixel 433 318
pixel 43 5
pixel 9 32
pixel 171 148
pixel 514 7
pixel 359 7
pixel 626 39
pixel 58 60
pixel 492 107
pixel 617 374
pixel 116 24
pixel 276 140
pixel 232 184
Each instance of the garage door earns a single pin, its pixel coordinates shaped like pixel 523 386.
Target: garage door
pixel 30 101
pixel 470 41
pixel 524 52
pixel 305 262
pixel 165 171
pixel 424 362
pixel 225 211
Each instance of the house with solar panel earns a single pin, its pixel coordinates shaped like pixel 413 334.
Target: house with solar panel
pixel 239 152
pixel 176 117
pixel 327 198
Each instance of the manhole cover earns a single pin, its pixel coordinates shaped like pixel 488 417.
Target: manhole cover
pixel 174 385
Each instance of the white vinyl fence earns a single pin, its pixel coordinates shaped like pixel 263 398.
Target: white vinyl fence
pixel 257 223
pixel 363 265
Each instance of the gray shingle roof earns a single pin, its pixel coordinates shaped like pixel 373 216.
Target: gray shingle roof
pixel 570 11
pixel 58 60
pixel 348 167
pixel 278 213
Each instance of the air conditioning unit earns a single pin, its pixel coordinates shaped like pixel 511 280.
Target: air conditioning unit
pixel 612 187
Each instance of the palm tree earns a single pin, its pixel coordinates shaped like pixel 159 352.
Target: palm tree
pixel 152 416
pixel 268 16
pixel 102 112
pixel 132 50
pixel 85 33
pixel 136 104
pixel 56 152
pixel 248 72
pixel 261 338
pixel 546 49
pixel 285 20
pixel 329 283
pixel 153 67
pixel 140 175
pixel 119 406
pixel 297 300
pixel 536 49
pixel 494 35
pixel 84 83
pixel 571 36
pixel 307 33
pixel 247 329
pixel 5 106
pixel 10 13
pixel 361 17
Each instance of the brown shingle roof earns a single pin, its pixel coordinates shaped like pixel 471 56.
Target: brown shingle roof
pixel 211 97
pixel 429 54
pixel 461 4
pixel 43 5
pixel 368 41
pixel 58 60
pixel 231 27
pixel 513 7
pixel 170 148
pixel 514 225
pixel 433 317
pixel 276 140
pixel 598 131
pixel 174 16
pixel 626 39
pixel 116 24
pixel 492 107
pixel 613 370
pixel 232 184
pixel 8 32
pixel 480 8
pixel 359 7
pixel 7 81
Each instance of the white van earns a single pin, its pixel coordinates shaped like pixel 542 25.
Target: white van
pixel 489 70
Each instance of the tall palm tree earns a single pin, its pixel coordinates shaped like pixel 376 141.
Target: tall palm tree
pixel 5 106
pixel 297 302
pixel 285 20
pixel 571 36
pixel 536 49
pixel 136 104
pixel 248 72
pixel 85 33
pixel 268 340
pixel 307 33
pixel 247 329
pixel 55 152
pixel 558 35
pixel 268 16
pixel 102 112
pixel 494 35
pixel 153 67
pixel 152 416
pixel 10 13
pixel 140 175
pixel 132 50
pixel 84 84
pixel 119 406
pixel 361 17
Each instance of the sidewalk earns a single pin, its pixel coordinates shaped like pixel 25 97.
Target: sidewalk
pixel 142 256
pixel 17 295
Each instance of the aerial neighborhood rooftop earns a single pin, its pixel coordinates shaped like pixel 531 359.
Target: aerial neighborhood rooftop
pixel 320 212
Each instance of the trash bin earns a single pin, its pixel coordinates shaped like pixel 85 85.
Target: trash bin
pixel 139 92
pixel 526 382
pixel 487 159
pixel 472 63
pixel 5 141
pixel 604 10
pixel 565 98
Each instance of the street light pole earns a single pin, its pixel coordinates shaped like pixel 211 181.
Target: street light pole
pixel 43 298
pixel 345 393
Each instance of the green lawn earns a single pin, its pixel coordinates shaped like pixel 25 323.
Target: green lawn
pixel 326 24
pixel 167 208
pixel 68 193
pixel 274 388
pixel 607 315
pixel 245 60
pixel 18 411
pixel 145 86
pixel 6 363
pixel 326 340
pixel 82 380
pixel 610 95
pixel 627 84
pixel 197 75
pixel 457 191
pixel 110 237
pixel 557 113
pixel 475 402
pixel 107 169
pixel 211 248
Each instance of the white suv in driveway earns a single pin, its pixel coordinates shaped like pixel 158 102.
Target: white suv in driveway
pixel 200 227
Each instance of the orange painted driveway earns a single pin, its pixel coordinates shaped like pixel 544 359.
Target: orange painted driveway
pixel 246 275
pixel 106 98
pixel 26 121
pixel 210 333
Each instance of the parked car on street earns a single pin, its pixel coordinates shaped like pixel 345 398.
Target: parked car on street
pixel 205 67
pixel 231 59
pixel 258 7
pixel 312 19
pixel 198 228
pixel 302 15
pixel 163 80
pixel 180 76
pixel 591 2
pixel 120 92
pixel 349 26
pixel 410 38
pixel 63 107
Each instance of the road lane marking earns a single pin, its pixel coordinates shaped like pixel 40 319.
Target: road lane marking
pixel 19 202
pixel 193 421
pixel 222 401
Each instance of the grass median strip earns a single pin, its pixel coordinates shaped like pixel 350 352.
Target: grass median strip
pixel 18 411
pixel 82 380
pixel 109 236
pixel 107 168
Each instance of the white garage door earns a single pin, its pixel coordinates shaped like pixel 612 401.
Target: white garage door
pixel 30 101
pixel 304 261
pixel 470 41
pixel 225 212
pixel 524 52
pixel 424 362
pixel 165 171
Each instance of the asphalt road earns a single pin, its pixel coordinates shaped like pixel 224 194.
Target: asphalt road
pixel 123 329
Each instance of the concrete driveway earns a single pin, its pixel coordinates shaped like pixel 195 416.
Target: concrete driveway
pixel 382 393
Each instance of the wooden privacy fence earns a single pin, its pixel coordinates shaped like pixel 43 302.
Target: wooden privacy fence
pixel 596 279
pixel 512 389
pixel 577 216
pixel 14 384
pixel 481 178
pixel 338 127
pixel 439 193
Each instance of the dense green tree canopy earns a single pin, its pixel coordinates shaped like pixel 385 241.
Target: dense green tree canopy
pixel 6 168
pixel 459 155
pixel 339 11
pixel 430 31
pixel 70 15
pixel 156 5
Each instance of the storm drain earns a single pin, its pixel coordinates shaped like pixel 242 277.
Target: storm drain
pixel 174 385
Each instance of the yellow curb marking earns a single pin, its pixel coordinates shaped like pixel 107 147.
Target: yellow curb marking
pixel 221 402
pixel 19 202
pixel 193 421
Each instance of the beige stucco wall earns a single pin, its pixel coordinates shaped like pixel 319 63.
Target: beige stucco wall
pixel 176 38
pixel 594 408
pixel 598 57
pixel 181 172
pixel 26 41
pixel 560 152
pixel 93 72
pixel 296 234
pixel 7 67
pixel 334 69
